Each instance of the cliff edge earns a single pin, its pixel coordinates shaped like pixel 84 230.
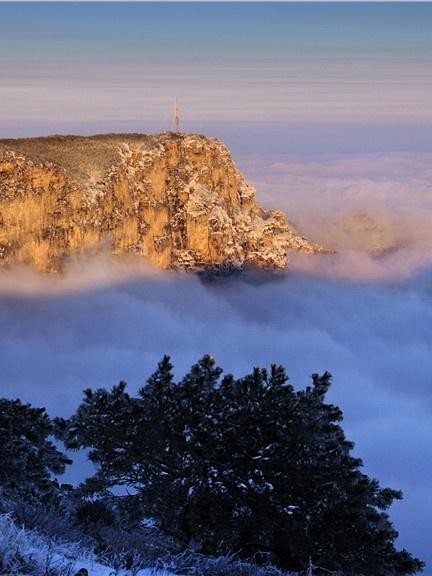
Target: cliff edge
pixel 176 199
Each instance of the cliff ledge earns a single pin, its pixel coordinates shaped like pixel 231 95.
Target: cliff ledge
pixel 176 199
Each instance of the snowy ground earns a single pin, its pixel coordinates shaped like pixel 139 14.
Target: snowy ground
pixel 24 552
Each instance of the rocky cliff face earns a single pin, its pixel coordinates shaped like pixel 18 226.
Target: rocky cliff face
pixel 176 199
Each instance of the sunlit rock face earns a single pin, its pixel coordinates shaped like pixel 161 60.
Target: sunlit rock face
pixel 176 199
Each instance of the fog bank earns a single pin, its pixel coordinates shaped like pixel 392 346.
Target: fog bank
pixel 375 210
pixel 374 338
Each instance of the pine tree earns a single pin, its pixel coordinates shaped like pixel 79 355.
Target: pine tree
pixel 248 466
pixel 104 423
pixel 29 460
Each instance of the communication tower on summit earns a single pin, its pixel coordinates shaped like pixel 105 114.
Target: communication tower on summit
pixel 176 116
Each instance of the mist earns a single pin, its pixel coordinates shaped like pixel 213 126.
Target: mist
pixel 363 313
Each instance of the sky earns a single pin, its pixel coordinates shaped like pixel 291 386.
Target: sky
pixel 327 109
pixel 86 67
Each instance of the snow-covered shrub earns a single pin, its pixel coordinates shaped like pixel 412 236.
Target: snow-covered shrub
pixel 119 547
pixel 52 521
pixel 116 543
pixel 194 564
pixel 26 552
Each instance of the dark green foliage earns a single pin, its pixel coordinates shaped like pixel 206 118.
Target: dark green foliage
pixel 88 514
pixel 28 458
pixel 115 528
pixel 246 465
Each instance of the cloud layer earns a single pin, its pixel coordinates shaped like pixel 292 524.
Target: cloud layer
pixel 374 338
pixel 375 210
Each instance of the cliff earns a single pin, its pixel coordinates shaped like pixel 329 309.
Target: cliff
pixel 176 199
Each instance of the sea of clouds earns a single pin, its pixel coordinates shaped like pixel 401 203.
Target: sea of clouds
pixel 361 313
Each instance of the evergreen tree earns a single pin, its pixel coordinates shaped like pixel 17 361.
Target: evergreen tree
pixel 104 422
pixel 28 458
pixel 246 465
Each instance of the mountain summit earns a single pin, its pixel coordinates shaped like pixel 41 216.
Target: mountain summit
pixel 177 199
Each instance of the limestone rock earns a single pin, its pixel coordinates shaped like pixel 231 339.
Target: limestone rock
pixel 176 199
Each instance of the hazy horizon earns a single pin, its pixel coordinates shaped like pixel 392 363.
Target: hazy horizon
pixel 104 67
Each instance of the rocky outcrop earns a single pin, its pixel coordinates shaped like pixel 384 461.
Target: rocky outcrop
pixel 176 199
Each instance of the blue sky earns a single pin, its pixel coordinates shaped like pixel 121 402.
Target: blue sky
pixel 110 66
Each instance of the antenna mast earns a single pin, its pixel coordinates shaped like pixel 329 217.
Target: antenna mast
pixel 176 116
